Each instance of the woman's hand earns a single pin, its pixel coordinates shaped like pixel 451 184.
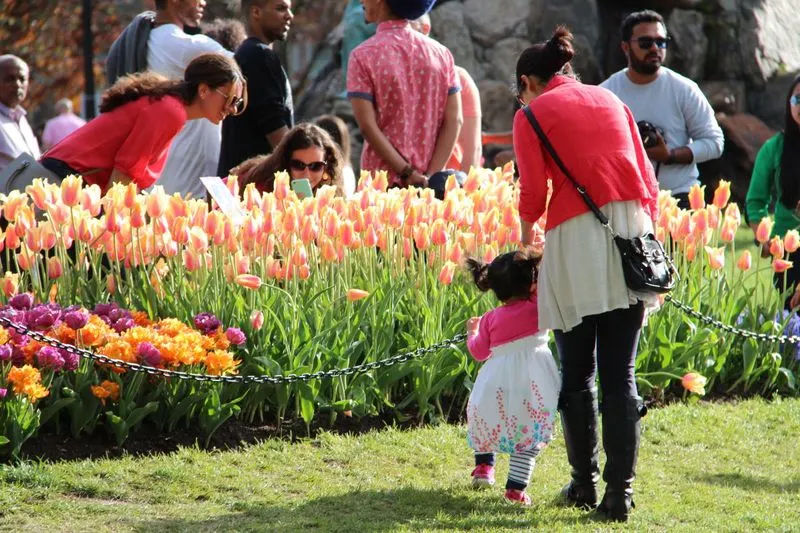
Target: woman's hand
pixel 472 325
pixel 417 179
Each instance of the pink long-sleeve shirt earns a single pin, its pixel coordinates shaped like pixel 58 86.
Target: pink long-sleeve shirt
pixel 504 324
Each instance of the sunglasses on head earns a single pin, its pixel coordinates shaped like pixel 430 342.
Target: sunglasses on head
pixel 315 166
pixel 645 43
pixel 233 102
pixel 794 100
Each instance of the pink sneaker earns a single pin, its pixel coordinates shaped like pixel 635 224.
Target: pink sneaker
pixel 517 497
pixel 482 477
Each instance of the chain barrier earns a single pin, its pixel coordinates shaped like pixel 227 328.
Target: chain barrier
pixel 271 380
pixel 764 337
pixel 365 367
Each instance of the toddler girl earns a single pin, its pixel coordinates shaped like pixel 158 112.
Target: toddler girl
pixel 512 406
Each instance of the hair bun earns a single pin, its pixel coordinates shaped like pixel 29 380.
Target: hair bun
pixel 560 47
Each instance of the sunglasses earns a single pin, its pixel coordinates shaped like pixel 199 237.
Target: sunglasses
pixel 645 43
pixel 232 102
pixel 794 100
pixel 316 166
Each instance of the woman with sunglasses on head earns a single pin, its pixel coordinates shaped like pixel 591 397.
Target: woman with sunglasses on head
pixel 139 117
pixel 305 152
pixel 582 295
pixel 776 180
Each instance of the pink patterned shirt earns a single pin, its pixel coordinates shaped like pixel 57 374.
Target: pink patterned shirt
pixel 408 78
pixel 504 324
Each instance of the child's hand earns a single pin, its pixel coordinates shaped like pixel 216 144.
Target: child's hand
pixel 472 325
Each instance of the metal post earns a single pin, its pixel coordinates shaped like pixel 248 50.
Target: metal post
pixel 88 61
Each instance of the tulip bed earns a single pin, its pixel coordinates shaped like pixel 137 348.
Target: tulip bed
pixel 315 284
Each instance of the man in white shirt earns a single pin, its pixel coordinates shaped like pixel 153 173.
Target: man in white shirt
pixel 16 136
pixel 62 125
pixel 195 151
pixel 670 102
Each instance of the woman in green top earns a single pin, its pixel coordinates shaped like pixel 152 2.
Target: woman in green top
pixel 776 178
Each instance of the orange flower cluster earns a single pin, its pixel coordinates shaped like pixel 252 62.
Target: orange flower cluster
pixel 27 381
pixel 106 390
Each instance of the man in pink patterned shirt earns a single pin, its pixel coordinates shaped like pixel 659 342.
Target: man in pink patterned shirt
pixel 62 125
pixel 405 95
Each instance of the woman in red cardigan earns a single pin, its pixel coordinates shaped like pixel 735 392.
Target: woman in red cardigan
pixel 140 115
pixel 582 294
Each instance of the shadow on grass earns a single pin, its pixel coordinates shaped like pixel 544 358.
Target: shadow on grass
pixel 751 483
pixel 373 511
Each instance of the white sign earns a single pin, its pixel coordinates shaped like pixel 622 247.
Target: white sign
pixel 227 203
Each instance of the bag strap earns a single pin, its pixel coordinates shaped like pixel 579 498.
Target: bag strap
pixel 552 151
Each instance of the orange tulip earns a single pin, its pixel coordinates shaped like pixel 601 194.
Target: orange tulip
pixel 38 193
pixel 356 294
pixel 422 236
pixel 716 257
pixel 111 285
pixel 745 261
pixel 54 268
pixel 90 199
pixel 113 220
pixel 697 197
pixel 447 272
pixel 192 259
pixel 408 248
pixel 791 242
pixel 156 202
pixel 780 266
pixel 722 194
pixel 439 234
pixel 764 230
pixel 728 233
pixel 10 284
pixel 489 254
pixel 71 190
pixel 690 251
pixel 281 186
pixel 694 382
pixel 131 193
pixel 776 247
pixel 732 212
pixel 248 281
pixel 198 239
pixel 180 230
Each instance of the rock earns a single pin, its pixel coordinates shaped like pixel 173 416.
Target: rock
pixel 744 136
pixel 769 103
pixel 690 44
pixel 503 58
pixel 449 28
pixel 727 97
pixel 497 105
pixel 490 20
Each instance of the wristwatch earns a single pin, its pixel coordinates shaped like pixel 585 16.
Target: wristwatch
pixel 670 158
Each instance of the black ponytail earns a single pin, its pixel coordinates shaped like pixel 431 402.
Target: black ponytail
pixel 545 60
pixel 480 273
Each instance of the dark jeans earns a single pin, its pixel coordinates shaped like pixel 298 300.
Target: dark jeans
pixel 791 276
pixel 60 168
pixel 614 336
pixel 683 199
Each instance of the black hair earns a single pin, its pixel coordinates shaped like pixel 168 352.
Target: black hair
pixel 509 275
pixel 790 157
pixel 545 60
pixel 639 17
pixel 161 4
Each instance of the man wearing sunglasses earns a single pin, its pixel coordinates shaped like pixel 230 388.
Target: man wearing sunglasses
pixel 270 109
pixel 673 103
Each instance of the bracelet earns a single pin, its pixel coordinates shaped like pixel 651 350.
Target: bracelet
pixel 406 172
pixel 670 159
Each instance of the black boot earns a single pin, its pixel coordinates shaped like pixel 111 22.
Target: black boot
pixel 579 421
pixel 621 435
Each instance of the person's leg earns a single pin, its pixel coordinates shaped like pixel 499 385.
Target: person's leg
pixel 483 473
pixel 577 404
pixel 520 470
pixel 683 199
pixel 617 342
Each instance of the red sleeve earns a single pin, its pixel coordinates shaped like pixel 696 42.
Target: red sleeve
pixel 478 344
pixel 532 172
pixel 144 151
pixel 650 204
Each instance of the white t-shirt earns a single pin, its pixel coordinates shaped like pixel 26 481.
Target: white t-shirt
pixel 675 104
pixel 195 150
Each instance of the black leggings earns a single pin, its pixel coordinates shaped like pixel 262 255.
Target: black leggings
pixel 792 277
pixel 58 167
pixel 615 335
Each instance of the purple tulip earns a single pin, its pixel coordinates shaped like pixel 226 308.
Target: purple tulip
pixel 207 323
pixel 149 354
pixel 71 360
pixel 49 357
pixel 3 393
pixel 5 352
pixel 17 357
pixel 77 319
pixel 116 314
pixel 123 324
pixel 236 336
pixel 21 301
pixel 42 317
pixel 104 309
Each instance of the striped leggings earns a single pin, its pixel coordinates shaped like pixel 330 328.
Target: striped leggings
pixel 520 467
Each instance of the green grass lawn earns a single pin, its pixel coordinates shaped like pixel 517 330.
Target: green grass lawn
pixel 703 467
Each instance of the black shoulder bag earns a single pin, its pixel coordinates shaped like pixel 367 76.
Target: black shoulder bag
pixel 646 265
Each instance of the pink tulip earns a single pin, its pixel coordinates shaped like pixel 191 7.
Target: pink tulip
pixel 722 194
pixel 694 382
pixel 248 281
pixel 764 230
pixel 256 320
pixel 356 294
pixel 716 257
pixel 10 284
pixel 791 242
pixel 776 247
pixel 54 268
pixel 447 272
pixel 745 261
pixel 780 266
pixel 728 233
pixel 697 198
pixel 70 190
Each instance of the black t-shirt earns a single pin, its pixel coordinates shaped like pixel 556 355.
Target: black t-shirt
pixel 269 106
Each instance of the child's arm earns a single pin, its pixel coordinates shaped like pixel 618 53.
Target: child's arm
pixel 478 338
